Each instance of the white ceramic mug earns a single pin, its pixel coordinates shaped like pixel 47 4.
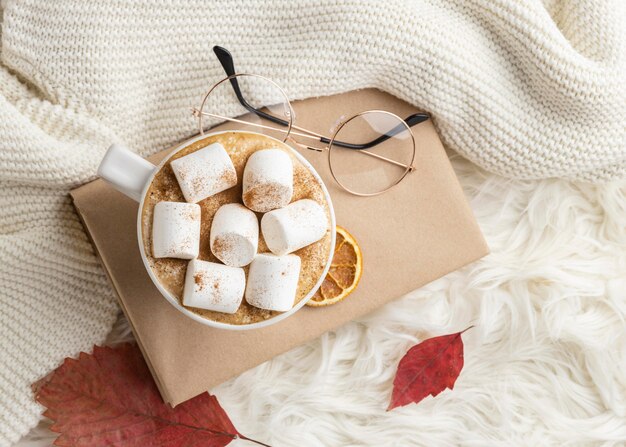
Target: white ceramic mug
pixel 132 175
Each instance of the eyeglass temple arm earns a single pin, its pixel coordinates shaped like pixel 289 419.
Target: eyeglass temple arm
pixel 226 59
pixel 411 121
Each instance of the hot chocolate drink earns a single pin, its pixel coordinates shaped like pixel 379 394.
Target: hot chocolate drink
pixel 166 187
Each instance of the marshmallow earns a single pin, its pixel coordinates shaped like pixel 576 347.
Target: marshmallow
pixel 297 225
pixel 213 286
pixel 176 230
pixel 234 235
pixel 273 281
pixel 204 172
pixel 268 180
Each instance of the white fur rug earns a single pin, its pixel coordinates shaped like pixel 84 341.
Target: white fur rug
pixel 544 365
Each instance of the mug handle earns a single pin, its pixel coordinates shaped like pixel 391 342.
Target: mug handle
pixel 125 171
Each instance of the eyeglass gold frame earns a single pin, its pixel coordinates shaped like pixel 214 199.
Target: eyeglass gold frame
pixel 306 133
pixel 199 112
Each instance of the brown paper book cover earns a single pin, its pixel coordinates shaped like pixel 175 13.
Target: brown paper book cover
pixel 409 236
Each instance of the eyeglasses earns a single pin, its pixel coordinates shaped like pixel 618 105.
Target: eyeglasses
pixel 368 153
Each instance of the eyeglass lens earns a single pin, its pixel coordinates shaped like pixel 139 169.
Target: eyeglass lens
pixel 376 169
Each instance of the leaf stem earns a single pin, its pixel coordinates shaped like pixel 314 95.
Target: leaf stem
pixel 252 440
pixel 466 329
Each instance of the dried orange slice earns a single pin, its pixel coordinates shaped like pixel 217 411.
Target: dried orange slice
pixel 344 273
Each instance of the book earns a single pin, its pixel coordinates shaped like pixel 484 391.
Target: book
pixel 411 235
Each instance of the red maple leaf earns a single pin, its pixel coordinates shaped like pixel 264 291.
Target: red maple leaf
pixel 428 368
pixel 109 398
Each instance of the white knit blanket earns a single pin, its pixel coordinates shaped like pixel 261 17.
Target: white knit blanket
pixel 525 90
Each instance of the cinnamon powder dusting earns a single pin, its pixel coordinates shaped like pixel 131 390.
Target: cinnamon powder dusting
pixel 198 278
pixel 239 145
pixel 222 245
pixel 264 197
pixel 229 177
pixel 198 184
